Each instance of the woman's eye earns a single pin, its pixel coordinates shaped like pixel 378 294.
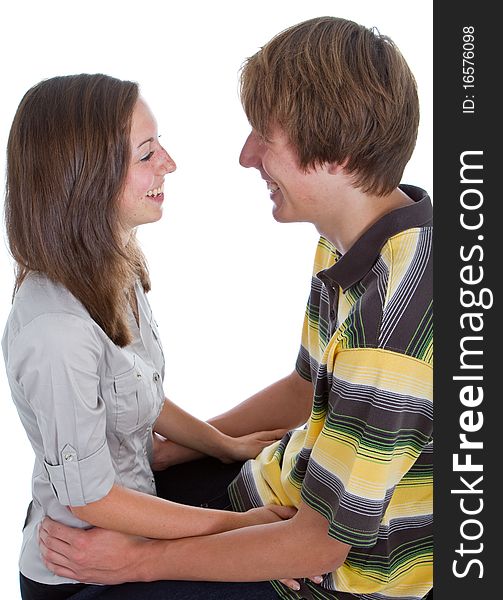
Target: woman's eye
pixel 147 156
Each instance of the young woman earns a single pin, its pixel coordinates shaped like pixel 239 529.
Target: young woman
pixel 81 346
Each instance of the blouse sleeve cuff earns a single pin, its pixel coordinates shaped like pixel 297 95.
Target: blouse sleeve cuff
pixel 79 482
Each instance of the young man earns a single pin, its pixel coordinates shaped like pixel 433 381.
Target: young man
pixel 334 115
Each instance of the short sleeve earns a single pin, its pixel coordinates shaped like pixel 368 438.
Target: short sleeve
pixel 55 360
pixel 378 421
pixel 303 364
pixel 316 324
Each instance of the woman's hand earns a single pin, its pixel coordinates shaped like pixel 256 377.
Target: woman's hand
pixel 167 453
pixel 271 513
pixel 230 449
pixel 237 449
pixel 177 425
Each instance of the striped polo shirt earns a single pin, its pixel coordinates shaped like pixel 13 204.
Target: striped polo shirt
pixel 365 458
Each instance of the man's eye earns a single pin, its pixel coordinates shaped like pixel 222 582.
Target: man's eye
pixel 147 156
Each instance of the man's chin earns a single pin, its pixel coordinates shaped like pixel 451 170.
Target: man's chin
pixel 279 214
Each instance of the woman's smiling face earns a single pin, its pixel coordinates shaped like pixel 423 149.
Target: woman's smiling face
pixel 143 195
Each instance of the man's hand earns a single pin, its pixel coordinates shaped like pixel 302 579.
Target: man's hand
pixel 108 557
pixel 90 555
pixel 293 584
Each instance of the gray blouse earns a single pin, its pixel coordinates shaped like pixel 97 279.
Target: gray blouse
pixel 87 405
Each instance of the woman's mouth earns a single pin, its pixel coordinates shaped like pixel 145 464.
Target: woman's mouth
pixel 156 194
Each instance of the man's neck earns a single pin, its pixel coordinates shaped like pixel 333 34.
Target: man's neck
pixel 355 213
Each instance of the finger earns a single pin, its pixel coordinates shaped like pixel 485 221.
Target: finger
pixel 293 584
pixel 63 571
pixel 272 433
pixel 53 564
pixel 264 443
pixel 52 543
pixel 60 531
pixel 53 559
pixel 284 512
pixel 60 565
pixel 279 433
pixel 316 579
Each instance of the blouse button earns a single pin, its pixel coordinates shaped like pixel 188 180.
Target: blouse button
pixel 156 377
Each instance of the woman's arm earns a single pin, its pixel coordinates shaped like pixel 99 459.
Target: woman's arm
pixel 183 428
pixel 136 513
pixel 284 405
pixel 264 552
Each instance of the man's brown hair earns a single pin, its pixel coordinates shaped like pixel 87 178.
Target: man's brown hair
pixel 67 158
pixel 341 92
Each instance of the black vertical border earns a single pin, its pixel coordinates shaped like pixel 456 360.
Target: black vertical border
pixel 456 132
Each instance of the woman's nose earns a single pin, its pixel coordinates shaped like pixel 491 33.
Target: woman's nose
pixel 167 163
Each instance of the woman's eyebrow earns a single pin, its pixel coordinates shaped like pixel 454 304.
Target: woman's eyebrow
pixel 146 142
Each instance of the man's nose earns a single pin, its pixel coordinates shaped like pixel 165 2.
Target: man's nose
pixel 251 152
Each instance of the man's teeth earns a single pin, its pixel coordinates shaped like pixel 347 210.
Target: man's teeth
pixel 156 191
pixel 272 187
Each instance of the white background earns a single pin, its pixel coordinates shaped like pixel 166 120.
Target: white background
pixel 229 283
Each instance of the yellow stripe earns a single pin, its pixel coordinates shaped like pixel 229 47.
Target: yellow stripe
pixel 386 370
pixel 364 477
pixel 399 251
pixel 271 480
pixel 325 256
pixel 410 580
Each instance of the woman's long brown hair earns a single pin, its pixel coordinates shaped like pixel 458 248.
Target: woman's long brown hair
pixel 67 158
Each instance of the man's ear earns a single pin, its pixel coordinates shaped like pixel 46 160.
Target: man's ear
pixel 335 168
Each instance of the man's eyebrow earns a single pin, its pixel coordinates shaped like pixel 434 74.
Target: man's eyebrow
pixel 145 142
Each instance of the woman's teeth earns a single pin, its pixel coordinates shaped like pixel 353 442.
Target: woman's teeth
pixel 156 191
pixel 272 187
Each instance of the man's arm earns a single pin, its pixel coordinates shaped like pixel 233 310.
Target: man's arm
pixel 272 551
pixel 285 404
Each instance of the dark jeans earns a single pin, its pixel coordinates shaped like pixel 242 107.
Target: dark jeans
pixel 33 590
pixel 156 590
pixel 201 482
pixel 183 590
